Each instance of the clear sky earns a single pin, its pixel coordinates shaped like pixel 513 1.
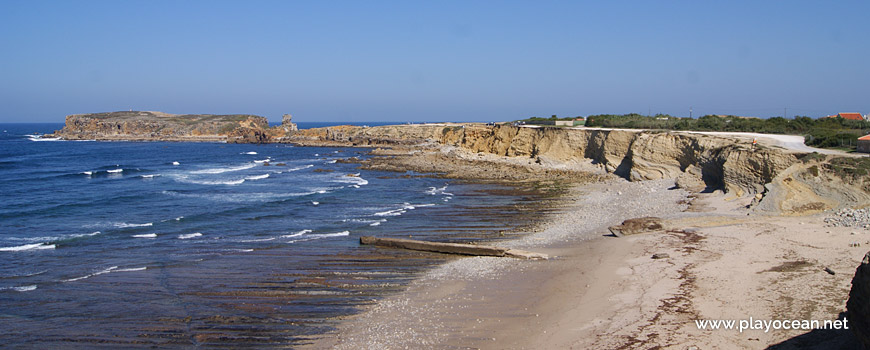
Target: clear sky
pixel 433 60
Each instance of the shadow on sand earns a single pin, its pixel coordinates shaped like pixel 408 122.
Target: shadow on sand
pixel 821 339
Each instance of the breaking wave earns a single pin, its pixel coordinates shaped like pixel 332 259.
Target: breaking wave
pixel 223 170
pixel 26 247
pixel 101 272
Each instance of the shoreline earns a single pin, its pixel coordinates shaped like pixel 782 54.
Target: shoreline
pixel 439 305
pixel 607 292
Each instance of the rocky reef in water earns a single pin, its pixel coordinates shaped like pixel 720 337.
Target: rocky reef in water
pixel 158 126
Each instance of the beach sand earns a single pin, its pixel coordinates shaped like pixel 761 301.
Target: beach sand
pixel 603 292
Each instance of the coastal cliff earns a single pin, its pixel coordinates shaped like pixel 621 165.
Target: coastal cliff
pixel 158 126
pixel 793 182
pixel 703 161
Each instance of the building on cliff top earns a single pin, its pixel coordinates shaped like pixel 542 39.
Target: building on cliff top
pixel 850 116
pixel 864 144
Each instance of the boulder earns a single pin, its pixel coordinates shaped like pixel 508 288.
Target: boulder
pixel 858 305
pixel 638 225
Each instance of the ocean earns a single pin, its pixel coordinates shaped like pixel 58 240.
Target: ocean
pixel 143 244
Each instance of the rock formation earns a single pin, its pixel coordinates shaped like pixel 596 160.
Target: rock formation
pixel 288 124
pixel 858 305
pixel 706 162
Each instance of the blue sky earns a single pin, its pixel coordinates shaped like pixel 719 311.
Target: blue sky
pixel 433 61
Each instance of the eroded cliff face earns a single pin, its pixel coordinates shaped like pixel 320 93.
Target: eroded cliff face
pixel 698 162
pixel 708 162
pixel 156 126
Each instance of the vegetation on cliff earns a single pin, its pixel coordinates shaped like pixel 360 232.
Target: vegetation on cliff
pixel 824 132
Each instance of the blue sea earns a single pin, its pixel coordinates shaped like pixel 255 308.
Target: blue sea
pixel 143 244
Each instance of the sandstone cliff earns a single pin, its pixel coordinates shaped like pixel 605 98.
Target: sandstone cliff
pixel 709 162
pixel 783 181
pixel 157 126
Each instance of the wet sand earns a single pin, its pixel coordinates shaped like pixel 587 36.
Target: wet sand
pixel 606 292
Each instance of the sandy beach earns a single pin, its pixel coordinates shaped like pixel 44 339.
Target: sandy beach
pixel 604 292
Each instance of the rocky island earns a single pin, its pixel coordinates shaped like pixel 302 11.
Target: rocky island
pixel 158 126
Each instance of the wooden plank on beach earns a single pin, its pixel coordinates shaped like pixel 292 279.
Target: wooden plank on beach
pixel 449 248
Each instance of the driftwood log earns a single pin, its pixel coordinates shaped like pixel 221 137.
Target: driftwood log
pixel 450 248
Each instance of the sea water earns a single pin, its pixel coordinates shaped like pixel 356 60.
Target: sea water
pixel 167 244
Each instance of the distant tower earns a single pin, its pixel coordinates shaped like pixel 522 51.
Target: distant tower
pixel 287 123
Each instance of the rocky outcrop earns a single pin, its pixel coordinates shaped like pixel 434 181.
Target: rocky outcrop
pixel 157 126
pixel 288 124
pixel 638 225
pixel 858 305
pixel 699 161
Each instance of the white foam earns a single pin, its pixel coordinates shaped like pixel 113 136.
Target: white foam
pixel 257 177
pixel 88 173
pixel 300 167
pixel 37 246
pixel 85 234
pixel 244 250
pixel 21 288
pixel 315 203
pixel 143 268
pixel 257 240
pixel 146 235
pixel 336 234
pixel 52 238
pixel 223 170
pixel 251 153
pixel 297 234
pixel 261 161
pixel 354 179
pixel 190 235
pixel 179 218
pixel 376 223
pixel 394 212
pixel 434 191
pixel 150 176
pixel 126 225
pixel 176 163
pixel 113 171
pixel 40 138
pixel 92 275
pixel 331 161
pixel 215 182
